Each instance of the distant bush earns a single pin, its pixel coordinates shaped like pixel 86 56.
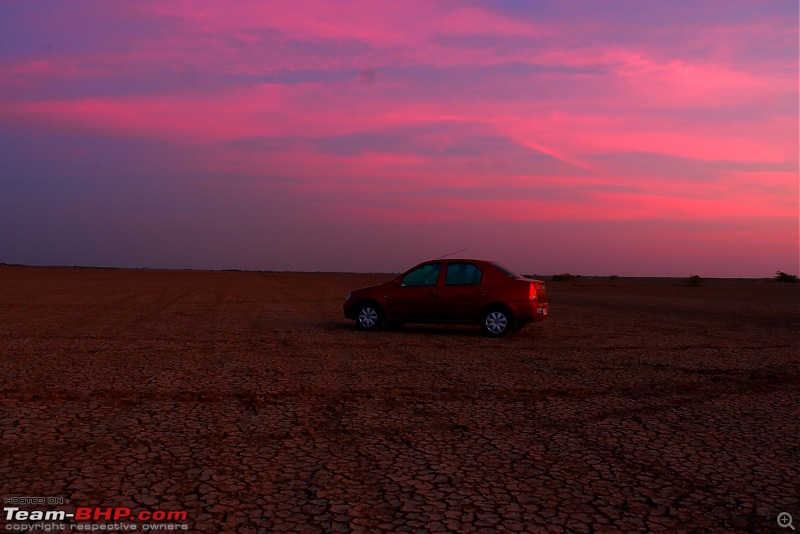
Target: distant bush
pixel 695 281
pixel 564 277
pixel 613 277
pixel 781 276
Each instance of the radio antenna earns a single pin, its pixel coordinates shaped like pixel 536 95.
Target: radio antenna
pixel 456 252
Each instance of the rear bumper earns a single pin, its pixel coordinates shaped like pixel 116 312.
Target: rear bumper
pixel 529 311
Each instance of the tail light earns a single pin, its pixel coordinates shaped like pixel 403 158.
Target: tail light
pixel 536 291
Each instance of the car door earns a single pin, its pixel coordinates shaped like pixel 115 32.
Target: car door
pixel 463 291
pixel 415 296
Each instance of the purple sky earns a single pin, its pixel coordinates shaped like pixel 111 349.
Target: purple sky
pixel 595 137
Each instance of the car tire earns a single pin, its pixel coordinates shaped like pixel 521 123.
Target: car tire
pixel 497 322
pixel 369 316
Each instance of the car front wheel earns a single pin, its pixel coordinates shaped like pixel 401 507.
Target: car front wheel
pixel 369 317
pixel 496 322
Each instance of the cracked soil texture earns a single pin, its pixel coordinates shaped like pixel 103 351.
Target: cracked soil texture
pixel 247 400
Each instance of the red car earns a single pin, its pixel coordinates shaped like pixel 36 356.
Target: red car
pixel 451 291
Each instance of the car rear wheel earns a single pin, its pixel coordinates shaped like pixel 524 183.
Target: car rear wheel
pixel 496 322
pixel 369 317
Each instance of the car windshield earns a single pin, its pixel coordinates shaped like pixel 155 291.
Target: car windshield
pixel 510 274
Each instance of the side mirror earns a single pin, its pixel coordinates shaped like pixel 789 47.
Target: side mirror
pixel 396 282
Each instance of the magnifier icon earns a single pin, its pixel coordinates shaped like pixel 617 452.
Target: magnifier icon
pixel 785 520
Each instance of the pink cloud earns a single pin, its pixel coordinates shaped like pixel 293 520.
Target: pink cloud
pixel 470 114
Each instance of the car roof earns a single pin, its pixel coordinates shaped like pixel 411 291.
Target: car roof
pixel 472 260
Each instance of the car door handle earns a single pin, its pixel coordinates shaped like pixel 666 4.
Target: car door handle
pixel 481 293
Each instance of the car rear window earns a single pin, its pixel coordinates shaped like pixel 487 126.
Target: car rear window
pixel 510 274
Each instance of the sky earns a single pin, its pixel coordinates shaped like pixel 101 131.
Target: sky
pixel 593 137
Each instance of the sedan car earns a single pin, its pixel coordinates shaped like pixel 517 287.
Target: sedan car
pixel 454 291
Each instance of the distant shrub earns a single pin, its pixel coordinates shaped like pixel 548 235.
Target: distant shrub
pixel 695 281
pixel 564 277
pixel 613 277
pixel 781 276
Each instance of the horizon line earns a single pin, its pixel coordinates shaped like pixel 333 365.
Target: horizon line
pixel 283 271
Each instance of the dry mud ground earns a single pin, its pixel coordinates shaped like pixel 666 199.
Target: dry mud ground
pixel 247 400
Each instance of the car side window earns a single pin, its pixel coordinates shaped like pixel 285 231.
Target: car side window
pixel 422 276
pixel 461 274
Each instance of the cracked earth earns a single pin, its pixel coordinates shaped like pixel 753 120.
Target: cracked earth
pixel 247 400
